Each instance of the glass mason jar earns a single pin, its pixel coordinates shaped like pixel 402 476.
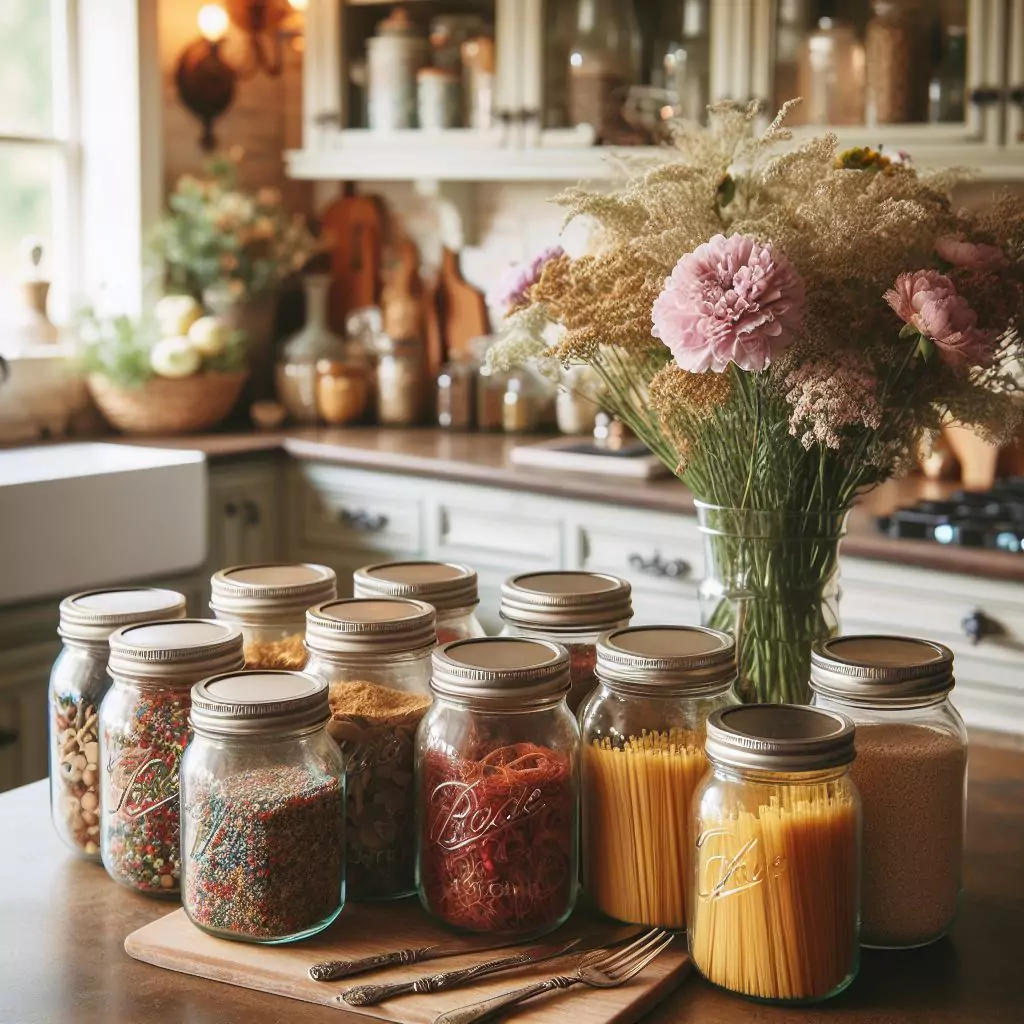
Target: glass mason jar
pixel 375 654
pixel 496 774
pixel 775 904
pixel 451 588
pixel 911 770
pixel 144 730
pixel 268 604
pixel 78 683
pixel 643 756
pixel 570 608
pixel 262 799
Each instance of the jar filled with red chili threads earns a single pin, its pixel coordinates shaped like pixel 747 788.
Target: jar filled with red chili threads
pixel 449 586
pixel 569 608
pixel 497 782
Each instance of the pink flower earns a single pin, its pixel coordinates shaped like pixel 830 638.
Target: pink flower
pixel 830 397
pixel 513 290
pixel 731 300
pixel 974 255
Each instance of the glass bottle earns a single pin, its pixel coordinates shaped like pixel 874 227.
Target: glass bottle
pixel 688 67
pixel 947 88
pixel 78 683
pixel 896 89
pixel 375 655
pixel 496 774
pixel 399 382
pixel 831 75
pixel 342 391
pixel 455 396
pixel 911 770
pixel 643 756
pixel 262 798
pixel 144 730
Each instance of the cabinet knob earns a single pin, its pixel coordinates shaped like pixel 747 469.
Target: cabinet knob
pixel 986 96
pixel 250 513
pixel 365 522
pixel 1017 95
pixel 673 569
pixel 978 625
pixel 8 737
pixel 230 509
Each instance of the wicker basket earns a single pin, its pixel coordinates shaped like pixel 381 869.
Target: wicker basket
pixel 166 406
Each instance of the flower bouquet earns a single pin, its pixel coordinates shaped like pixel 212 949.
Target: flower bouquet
pixel 783 325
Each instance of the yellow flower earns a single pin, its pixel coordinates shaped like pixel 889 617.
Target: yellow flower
pixel 862 158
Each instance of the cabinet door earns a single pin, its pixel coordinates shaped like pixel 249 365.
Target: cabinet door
pixel 245 515
pixel 1015 83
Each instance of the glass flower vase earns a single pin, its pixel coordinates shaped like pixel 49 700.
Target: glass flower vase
pixel 771 579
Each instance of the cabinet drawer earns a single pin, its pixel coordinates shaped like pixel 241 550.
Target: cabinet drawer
pixel 509 536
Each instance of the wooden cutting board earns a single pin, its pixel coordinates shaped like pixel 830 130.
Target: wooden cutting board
pixel 463 309
pixel 173 942
pixel 355 226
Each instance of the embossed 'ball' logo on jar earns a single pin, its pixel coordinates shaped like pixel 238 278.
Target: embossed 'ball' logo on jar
pixel 467 820
pixel 139 783
pixel 728 873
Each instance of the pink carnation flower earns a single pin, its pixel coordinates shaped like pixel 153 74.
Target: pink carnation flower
pixel 973 255
pixel 731 300
pixel 513 289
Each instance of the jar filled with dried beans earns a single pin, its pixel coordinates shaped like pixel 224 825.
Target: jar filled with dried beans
pixel 375 655
pixel 911 770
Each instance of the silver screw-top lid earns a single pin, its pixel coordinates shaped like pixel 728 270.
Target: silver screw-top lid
pixel 667 660
pixel 177 653
pixel 90 617
pixel 566 600
pixel 265 593
pixel 371 625
pixel 881 670
pixel 779 738
pixel 445 585
pixel 256 703
pixel 500 671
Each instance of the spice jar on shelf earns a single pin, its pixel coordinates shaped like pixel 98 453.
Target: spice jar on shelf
pixel 643 757
pixel 262 798
pixel 497 787
pixel 439 98
pixel 375 655
pixel 449 587
pixel 896 90
pixel 570 608
pixel 399 382
pixel 911 770
pixel 342 391
pixel 78 683
pixel 455 396
pixel 144 730
pixel 774 909
pixel 268 603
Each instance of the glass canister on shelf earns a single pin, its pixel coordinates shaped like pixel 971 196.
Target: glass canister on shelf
pixel 393 57
pixel 342 391
pixel 895 64
pixel 776 841
pixel 450 588
pixel 144 730
pixel 439 98
pixel 497 784
pixel 268 603
pixel 263 801
pixel 911 771
pixel 831 75
pixel 576 406
pixel 643 757
pixel 375 655
pixel 399 382
pixel 570 608
pixel 78 683
pixel 455 396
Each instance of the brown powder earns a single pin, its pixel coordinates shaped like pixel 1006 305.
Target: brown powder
pixel 911 782
pixel 289 653
pixel 368 700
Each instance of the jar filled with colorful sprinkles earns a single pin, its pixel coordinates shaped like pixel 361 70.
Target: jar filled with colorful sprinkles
pixel 263 805
pixel 144 730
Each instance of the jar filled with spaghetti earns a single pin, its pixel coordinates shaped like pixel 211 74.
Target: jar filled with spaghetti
pixel 451 589
pixel 643 757
pixel 569 608
pixel 775 904
pixel 375 655
pixel 497 787
pixel 268 603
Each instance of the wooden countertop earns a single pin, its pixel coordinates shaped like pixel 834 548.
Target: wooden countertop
pixel 63 925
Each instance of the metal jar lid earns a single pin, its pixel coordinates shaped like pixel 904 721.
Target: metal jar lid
pixel 271 592
pixel 445 585
pixel 175 653
pixel 90 617
pixel 500 671
pixel 779 738
pixel 667 660
pixel 881 670
pixel 256 703
pixel 370 626
pixel 566 600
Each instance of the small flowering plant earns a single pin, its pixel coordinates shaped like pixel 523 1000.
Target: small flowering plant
pixel 782 325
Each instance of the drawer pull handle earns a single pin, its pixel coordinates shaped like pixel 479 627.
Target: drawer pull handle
pixel 673 569
pixel 365 522
pixel 8 737
pixel 978 625
pixel 251 513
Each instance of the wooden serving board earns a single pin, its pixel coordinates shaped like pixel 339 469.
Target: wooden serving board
pixel 175 943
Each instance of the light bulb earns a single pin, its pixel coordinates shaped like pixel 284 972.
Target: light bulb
pixel 213 22
pixel 299 5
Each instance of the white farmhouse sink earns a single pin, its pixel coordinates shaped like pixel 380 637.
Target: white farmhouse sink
pixel 74 516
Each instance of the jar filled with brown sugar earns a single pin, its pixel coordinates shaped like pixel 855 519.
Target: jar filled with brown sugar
pixel 911 770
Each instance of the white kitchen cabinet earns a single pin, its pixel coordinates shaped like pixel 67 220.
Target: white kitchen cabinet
pixel 1015 82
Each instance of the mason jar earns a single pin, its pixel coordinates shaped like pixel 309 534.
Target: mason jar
pixel 569 608
pixel 78 682
pixel 643 757
pixel 143 733
pixel 450 587
pixel 375 655
pixel 911 770
pixel 775 904
pixel 496 774
pixel 263 815
pixel 268 604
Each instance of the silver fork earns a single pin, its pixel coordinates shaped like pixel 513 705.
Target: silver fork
pixel 601 969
